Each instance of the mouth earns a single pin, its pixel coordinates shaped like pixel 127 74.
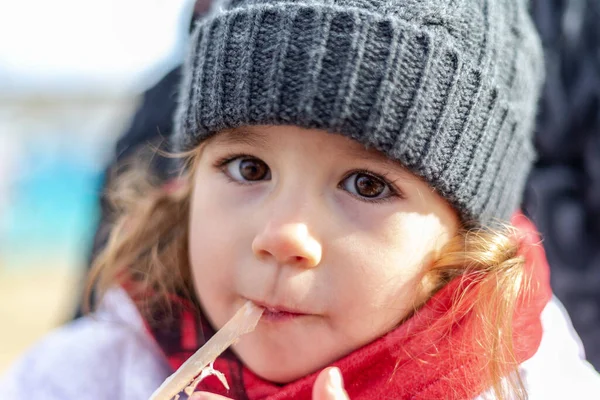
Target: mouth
pixel 276 313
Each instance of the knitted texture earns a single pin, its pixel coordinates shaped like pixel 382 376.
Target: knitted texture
pixel 446 87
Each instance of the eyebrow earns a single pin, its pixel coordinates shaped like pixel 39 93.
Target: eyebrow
pixel 243 135
pixel 247 135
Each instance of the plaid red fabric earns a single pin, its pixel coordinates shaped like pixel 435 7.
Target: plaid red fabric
pixel 421 359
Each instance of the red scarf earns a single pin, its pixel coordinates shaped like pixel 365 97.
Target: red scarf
pixel 413 361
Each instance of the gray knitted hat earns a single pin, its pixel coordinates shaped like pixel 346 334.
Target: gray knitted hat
pixel 447 87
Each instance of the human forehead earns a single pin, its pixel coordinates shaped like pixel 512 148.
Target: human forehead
pixel 268 138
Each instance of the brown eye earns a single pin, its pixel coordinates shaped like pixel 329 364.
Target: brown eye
pixel 367 186
pixel 248 169
pixel 253 169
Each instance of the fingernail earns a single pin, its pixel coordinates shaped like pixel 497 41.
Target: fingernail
pixel 335 379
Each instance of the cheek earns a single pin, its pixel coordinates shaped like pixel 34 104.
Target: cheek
pixel 387 266
pixel 207 237
pixel 216 215
pixel 212 252
pixel 382 282
pixel 375 295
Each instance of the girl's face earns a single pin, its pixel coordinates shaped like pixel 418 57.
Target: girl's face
pixel 330 237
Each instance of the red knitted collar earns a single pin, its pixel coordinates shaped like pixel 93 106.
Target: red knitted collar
pixel 411 362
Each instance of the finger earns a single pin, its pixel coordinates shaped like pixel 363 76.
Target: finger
pixel 330 386
pixel 207 396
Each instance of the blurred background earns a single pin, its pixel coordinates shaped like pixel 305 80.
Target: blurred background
pixel 78 75
pixel 71 76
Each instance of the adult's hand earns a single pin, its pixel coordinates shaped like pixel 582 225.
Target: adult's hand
pixel 328 386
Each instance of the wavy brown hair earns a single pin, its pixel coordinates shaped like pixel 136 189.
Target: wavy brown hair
pixel 147 254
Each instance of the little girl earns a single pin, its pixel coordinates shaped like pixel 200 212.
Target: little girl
pixel 351 167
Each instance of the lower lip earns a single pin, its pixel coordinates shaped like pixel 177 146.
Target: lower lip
pixel 279 316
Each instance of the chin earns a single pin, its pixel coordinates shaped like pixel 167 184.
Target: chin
pixel 276 369
pixel 279 374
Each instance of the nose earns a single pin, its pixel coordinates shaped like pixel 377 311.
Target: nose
pixel 288 244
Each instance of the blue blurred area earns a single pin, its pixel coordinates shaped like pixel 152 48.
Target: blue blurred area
pixel 52 214
pixel 55 152
pixel 70 77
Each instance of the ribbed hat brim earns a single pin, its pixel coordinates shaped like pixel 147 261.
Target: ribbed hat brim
pixel 392 85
